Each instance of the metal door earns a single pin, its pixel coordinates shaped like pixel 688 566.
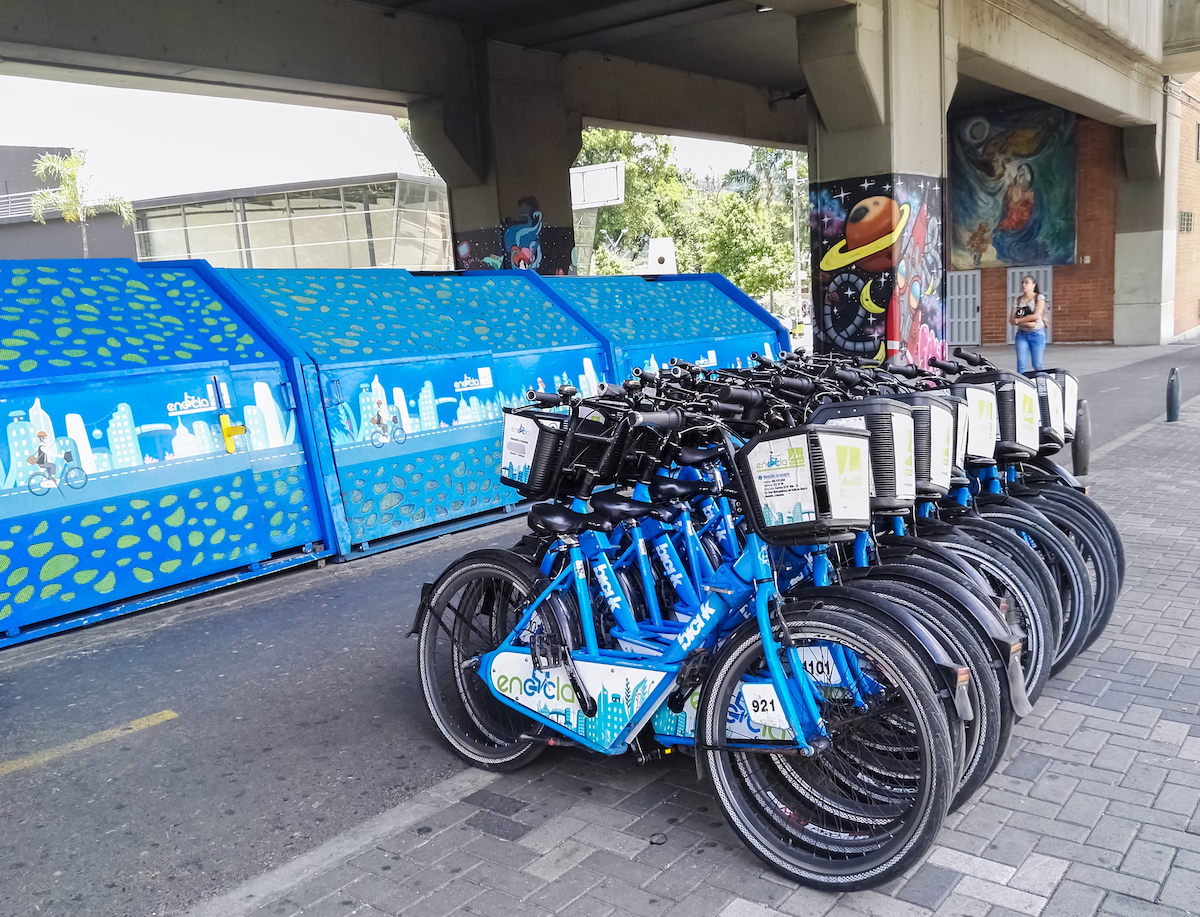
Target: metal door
pixel 962 308
pixel 1044 275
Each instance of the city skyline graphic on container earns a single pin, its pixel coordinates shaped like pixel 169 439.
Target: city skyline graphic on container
pixel 472 395
pixel 133 425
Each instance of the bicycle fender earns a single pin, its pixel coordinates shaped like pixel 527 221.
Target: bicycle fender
pixel 946 665
pixel 937 550
pixel 996 629
pixel 1051 467
pixel 426 591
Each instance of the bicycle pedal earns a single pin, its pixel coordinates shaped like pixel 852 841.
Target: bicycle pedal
pixel 691 673
pixel 546 651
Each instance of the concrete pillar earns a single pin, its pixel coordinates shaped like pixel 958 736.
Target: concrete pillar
pixel 506 153
pixel 877 73
pixel 1144 261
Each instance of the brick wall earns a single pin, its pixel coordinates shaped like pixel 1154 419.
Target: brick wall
pixel 1083 293
pixel 1187 244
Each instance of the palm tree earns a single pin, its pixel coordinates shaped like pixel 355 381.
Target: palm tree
pixel 69 197
pixel 764 180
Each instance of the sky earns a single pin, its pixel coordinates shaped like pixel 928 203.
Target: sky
pixel 142 144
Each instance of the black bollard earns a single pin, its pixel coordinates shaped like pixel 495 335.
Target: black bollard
pixel 1081 445
pixel 1173 395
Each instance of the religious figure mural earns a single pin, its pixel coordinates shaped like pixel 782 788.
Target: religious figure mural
pixel 1012 181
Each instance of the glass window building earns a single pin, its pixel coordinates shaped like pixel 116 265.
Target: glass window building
pixel 379 221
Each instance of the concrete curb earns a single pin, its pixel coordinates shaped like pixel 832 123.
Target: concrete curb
pixel 274 884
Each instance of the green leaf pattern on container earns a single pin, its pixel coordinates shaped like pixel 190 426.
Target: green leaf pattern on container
pixel 75 563
pixel 79 317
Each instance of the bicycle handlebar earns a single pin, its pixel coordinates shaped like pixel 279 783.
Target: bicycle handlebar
pixel 669 420
pixel 967 356
pixel 609 390
pixel 946 366
pixel 546 399
pixel 746 397
pixel 795 386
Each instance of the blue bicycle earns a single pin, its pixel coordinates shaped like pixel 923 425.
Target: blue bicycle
pixel 824 720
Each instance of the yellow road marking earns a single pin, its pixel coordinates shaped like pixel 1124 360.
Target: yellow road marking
pixel 7 767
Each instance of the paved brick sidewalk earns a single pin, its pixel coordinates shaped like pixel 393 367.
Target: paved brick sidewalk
pixel 1092 811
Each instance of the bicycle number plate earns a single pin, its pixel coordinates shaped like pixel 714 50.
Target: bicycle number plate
pixel 818 663
pixel 763 706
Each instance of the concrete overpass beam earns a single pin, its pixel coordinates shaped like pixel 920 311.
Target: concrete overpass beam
pixel 1027 49
pixel 317 52
pixel 842 55
pixel 450 132
pixel 612 92
pixel 1144 263
pixel 506 155
pixel 877 179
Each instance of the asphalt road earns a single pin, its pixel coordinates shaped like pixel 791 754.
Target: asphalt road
pixel 297 716
pixel 1124 398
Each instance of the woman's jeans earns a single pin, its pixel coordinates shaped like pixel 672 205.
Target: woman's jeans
pixel 1031 345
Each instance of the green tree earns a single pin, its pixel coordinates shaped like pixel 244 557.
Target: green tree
pixel 738 244
pixel 70 197
pixel 764 181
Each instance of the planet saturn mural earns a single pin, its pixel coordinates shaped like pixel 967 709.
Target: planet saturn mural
pixel 872 238
pixel 878 281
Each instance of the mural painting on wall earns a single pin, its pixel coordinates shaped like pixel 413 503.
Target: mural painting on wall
pixel 877 260
pixel 1012 188
pixel 523 243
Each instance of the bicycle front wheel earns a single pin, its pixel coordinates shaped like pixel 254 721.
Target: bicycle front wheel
pixel 471 608
pixel 862 810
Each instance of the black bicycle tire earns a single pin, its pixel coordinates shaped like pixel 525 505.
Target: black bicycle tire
pixel 989 732
pixel 739 789
pixel 1094 512
pixel 1029 611
pixel 1074 582
pixel 1097 554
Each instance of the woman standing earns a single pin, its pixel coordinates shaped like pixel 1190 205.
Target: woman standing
pixel 1028 314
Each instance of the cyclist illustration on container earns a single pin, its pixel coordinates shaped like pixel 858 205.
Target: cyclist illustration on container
pixel 46 458
pixel 387 426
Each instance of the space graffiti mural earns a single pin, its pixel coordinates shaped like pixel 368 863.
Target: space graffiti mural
pixel 523 243
pixel 878 274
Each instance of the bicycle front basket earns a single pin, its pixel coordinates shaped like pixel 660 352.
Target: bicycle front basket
pixel 531 452
pixel 806 483
pixel 893 473
pixel 933 441
pixel 983 429
pixel 1017 412
pixel 1069 386
pixel 1050 410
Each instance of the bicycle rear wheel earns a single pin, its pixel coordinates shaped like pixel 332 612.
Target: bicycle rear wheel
pixel 860 811
pixel 471 608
